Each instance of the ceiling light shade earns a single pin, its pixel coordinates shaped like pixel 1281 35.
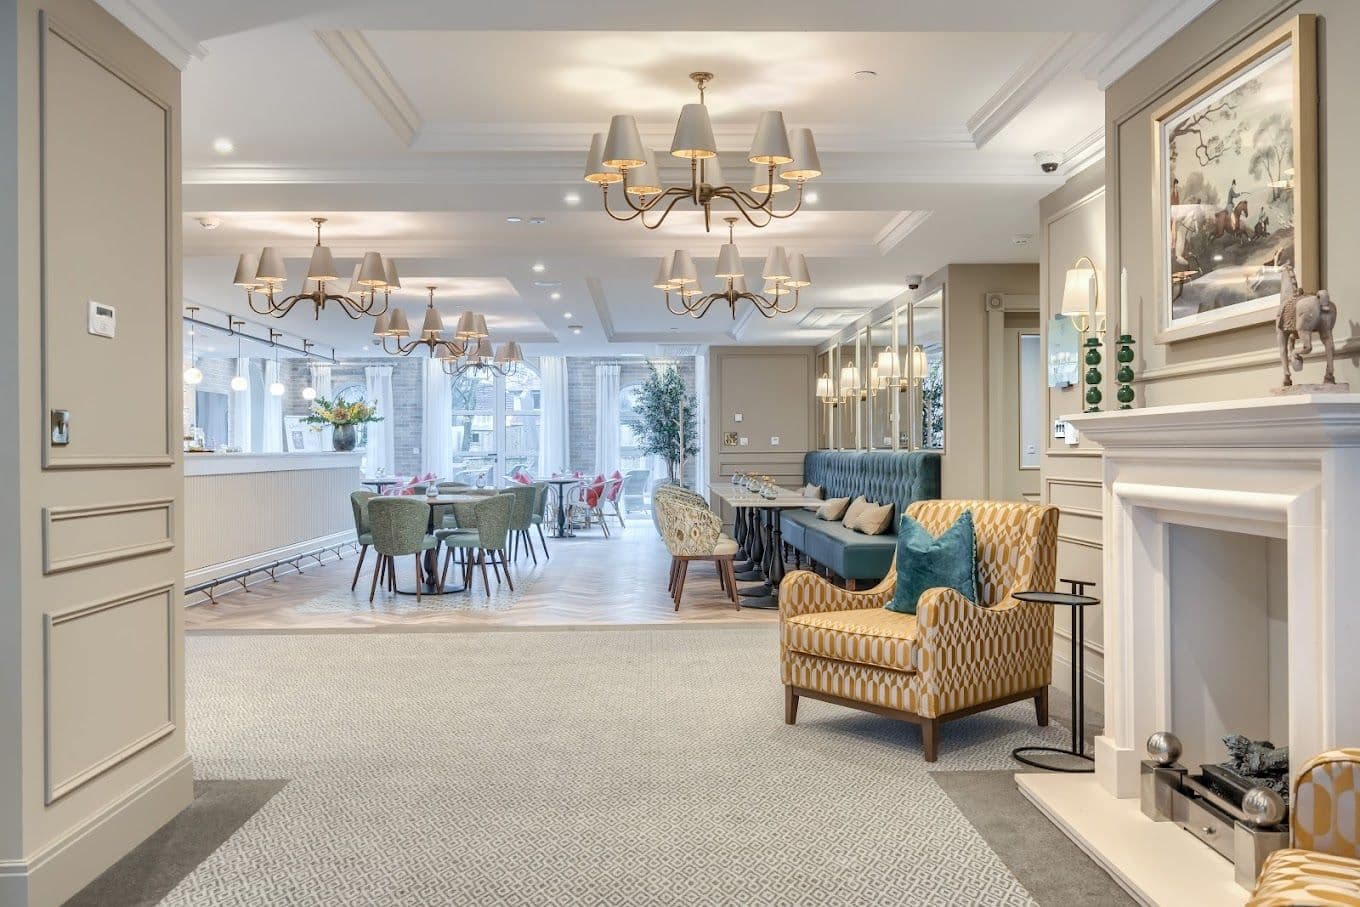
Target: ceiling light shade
pixel 729 262
pixel 739 283
pixel 509 353
pixel 663 274
pixel 623 147
pixel 798 272
pixel 240 383
pixel 193 375
pixel 247 266
pixel 391 280
pixel 777 289
pixel 397 325
pixel 692 289
pixel 322 266
pixel 371 270
pixel 433 326
pixel 309 393
pixel 380 326
pixel 683 271
pixel 471 326
pixel 276 389
pixel 483 349
pixel 761 184
pixel 806 164
pixel 771 144
pixel 354 285
pixel 595 172
pixel 694 133
pixel 776 265
pixel 712 174
pixel 644 180
pixel 271 270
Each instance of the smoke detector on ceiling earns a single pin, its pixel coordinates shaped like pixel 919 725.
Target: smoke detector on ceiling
pixel 208 222
pixel 1021 239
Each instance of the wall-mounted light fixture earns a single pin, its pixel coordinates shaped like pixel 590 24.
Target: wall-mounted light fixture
pixel 1081 303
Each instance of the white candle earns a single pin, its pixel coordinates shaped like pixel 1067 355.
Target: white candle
pixel 1124 325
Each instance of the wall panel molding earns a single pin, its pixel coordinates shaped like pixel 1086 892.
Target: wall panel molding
pixel 57 560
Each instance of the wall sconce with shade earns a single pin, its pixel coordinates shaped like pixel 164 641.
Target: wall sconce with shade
pixel 849 383
pixel 826 391
pixel 1081 303
pixel 883 373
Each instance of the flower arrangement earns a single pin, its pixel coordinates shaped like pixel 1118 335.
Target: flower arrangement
pixel 325 412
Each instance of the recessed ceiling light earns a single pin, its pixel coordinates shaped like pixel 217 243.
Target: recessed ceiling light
pixel 554 295
pixel 539 267
pixel 224 145
pixel 811 198
pixel 514 220
pixel 567 315
pixel 865 74
pixel 572 198
pixel 538 221
pixel 574 328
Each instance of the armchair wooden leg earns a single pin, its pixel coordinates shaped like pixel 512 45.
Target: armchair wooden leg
pixel 1041 707
pixel 543 539
pixel 508 581
pixel 373 587
pixel 529 543
pixel 731 575
pixel 680 582
pixel 363 550
pixel 790 705
pixel 851 585
pixel 930 738
pixel 670 581
pixel 481 562
pixel 420 578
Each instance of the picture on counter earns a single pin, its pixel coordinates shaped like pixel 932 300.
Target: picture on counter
pixel 1237 187
pixel 301 437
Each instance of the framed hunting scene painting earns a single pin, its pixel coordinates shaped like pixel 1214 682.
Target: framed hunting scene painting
pixel 1236 186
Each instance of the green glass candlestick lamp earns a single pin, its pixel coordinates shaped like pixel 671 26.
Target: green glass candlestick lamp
pixel 1125 374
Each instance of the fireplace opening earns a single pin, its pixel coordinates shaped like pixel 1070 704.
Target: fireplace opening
pixel 1228 634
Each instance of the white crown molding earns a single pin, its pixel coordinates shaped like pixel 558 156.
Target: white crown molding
pixel 1120 51
pixel 602 244
pixel 149 21
pixel 1084 152
pixel 898 229
pixel 360 63
pixel 1024 85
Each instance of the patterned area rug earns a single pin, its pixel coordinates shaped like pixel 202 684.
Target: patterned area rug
pixel 574 767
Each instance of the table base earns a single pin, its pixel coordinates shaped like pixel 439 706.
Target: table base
pixel 1075 770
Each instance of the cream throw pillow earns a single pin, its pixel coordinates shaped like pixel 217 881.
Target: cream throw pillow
pixel 833 509
pixel 873 519
pixel 857 507
pixel 812 491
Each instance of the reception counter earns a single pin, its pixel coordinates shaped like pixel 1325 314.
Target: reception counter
pixel 243 510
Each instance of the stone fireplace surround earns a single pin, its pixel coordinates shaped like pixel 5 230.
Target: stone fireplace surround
pixel 1281 467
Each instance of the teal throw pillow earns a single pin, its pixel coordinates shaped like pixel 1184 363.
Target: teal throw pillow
pixel 925 562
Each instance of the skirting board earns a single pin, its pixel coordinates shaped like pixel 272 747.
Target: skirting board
pixel 213 571
pixel 1157 863
pixel 68 863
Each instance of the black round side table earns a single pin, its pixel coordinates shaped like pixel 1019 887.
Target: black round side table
pixel 1078 603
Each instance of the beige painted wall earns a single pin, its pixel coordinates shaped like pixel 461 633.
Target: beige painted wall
pixel 92 754
pixel 1072 224
pixel 771 387
pixel 1241 363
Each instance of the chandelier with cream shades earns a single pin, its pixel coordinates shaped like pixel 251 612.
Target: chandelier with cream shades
pixel 784 275
pixel 782 160
pixel 265 273
pixel 469 349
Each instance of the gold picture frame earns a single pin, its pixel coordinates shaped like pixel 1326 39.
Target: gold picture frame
pixel 1219 246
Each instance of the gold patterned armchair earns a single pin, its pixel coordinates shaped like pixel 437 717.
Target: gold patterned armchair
pixel 951 658
pixel 1322 868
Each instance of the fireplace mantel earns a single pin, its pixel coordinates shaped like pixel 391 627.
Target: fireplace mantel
pixel 1291 422
pixel 1282 468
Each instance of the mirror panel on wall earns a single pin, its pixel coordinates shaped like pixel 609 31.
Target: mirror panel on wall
pixel 927 370
pixel 825 376
pixel 904 396
pixel 846 418
pixel 882 374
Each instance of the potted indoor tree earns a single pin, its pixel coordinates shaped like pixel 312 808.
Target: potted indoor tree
pixel 667 426
pixel 343 417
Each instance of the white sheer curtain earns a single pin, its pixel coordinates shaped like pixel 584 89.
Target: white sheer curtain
pixel 321 383
pixel 554 441
pixel 240 409
pixel 436 441
pixel 606 419
pixel 272 418
pixel 701 474
pixel 381 449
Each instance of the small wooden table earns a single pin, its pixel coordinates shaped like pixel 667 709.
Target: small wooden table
pixel 762 540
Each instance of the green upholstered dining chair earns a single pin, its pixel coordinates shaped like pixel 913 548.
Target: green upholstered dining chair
pixel 483 528
pixel 540 515
pixel 358 500
pixel 521 518
pixel 399 527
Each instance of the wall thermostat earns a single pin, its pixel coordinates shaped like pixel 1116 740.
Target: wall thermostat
pixel 103 319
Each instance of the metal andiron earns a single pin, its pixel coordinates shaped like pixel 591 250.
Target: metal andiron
pixel 1240 817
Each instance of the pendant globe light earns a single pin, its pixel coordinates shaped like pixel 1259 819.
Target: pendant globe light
pixel 193 374
pixel 239 382
pixel 782 160
pixel 276 388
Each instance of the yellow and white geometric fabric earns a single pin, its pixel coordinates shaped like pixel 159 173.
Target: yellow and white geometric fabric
pixel 1306 878
pixel 953 654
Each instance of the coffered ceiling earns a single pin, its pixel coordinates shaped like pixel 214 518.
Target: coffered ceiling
pixel 418 128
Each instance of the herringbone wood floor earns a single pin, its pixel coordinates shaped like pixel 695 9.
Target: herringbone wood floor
pixel 590 579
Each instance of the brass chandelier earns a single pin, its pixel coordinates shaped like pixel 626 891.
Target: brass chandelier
pixel 781 159
pixel 784 275
pixel 469 350
pixel 266 273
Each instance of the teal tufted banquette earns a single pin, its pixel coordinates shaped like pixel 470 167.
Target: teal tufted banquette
pixel 882 476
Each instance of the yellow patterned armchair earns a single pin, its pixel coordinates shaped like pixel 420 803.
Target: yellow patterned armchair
pixel 1322 868
pixel 950 659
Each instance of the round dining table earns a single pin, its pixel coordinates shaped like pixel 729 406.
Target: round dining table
pixel 379 484
pixel 563 528
pixel 437 502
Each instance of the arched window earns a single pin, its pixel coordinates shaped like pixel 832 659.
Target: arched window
pixel 495 424
pixel 630 441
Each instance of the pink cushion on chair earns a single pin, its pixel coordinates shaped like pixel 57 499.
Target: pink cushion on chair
pixel 614 487
pixel 594 491
pixel 523 478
